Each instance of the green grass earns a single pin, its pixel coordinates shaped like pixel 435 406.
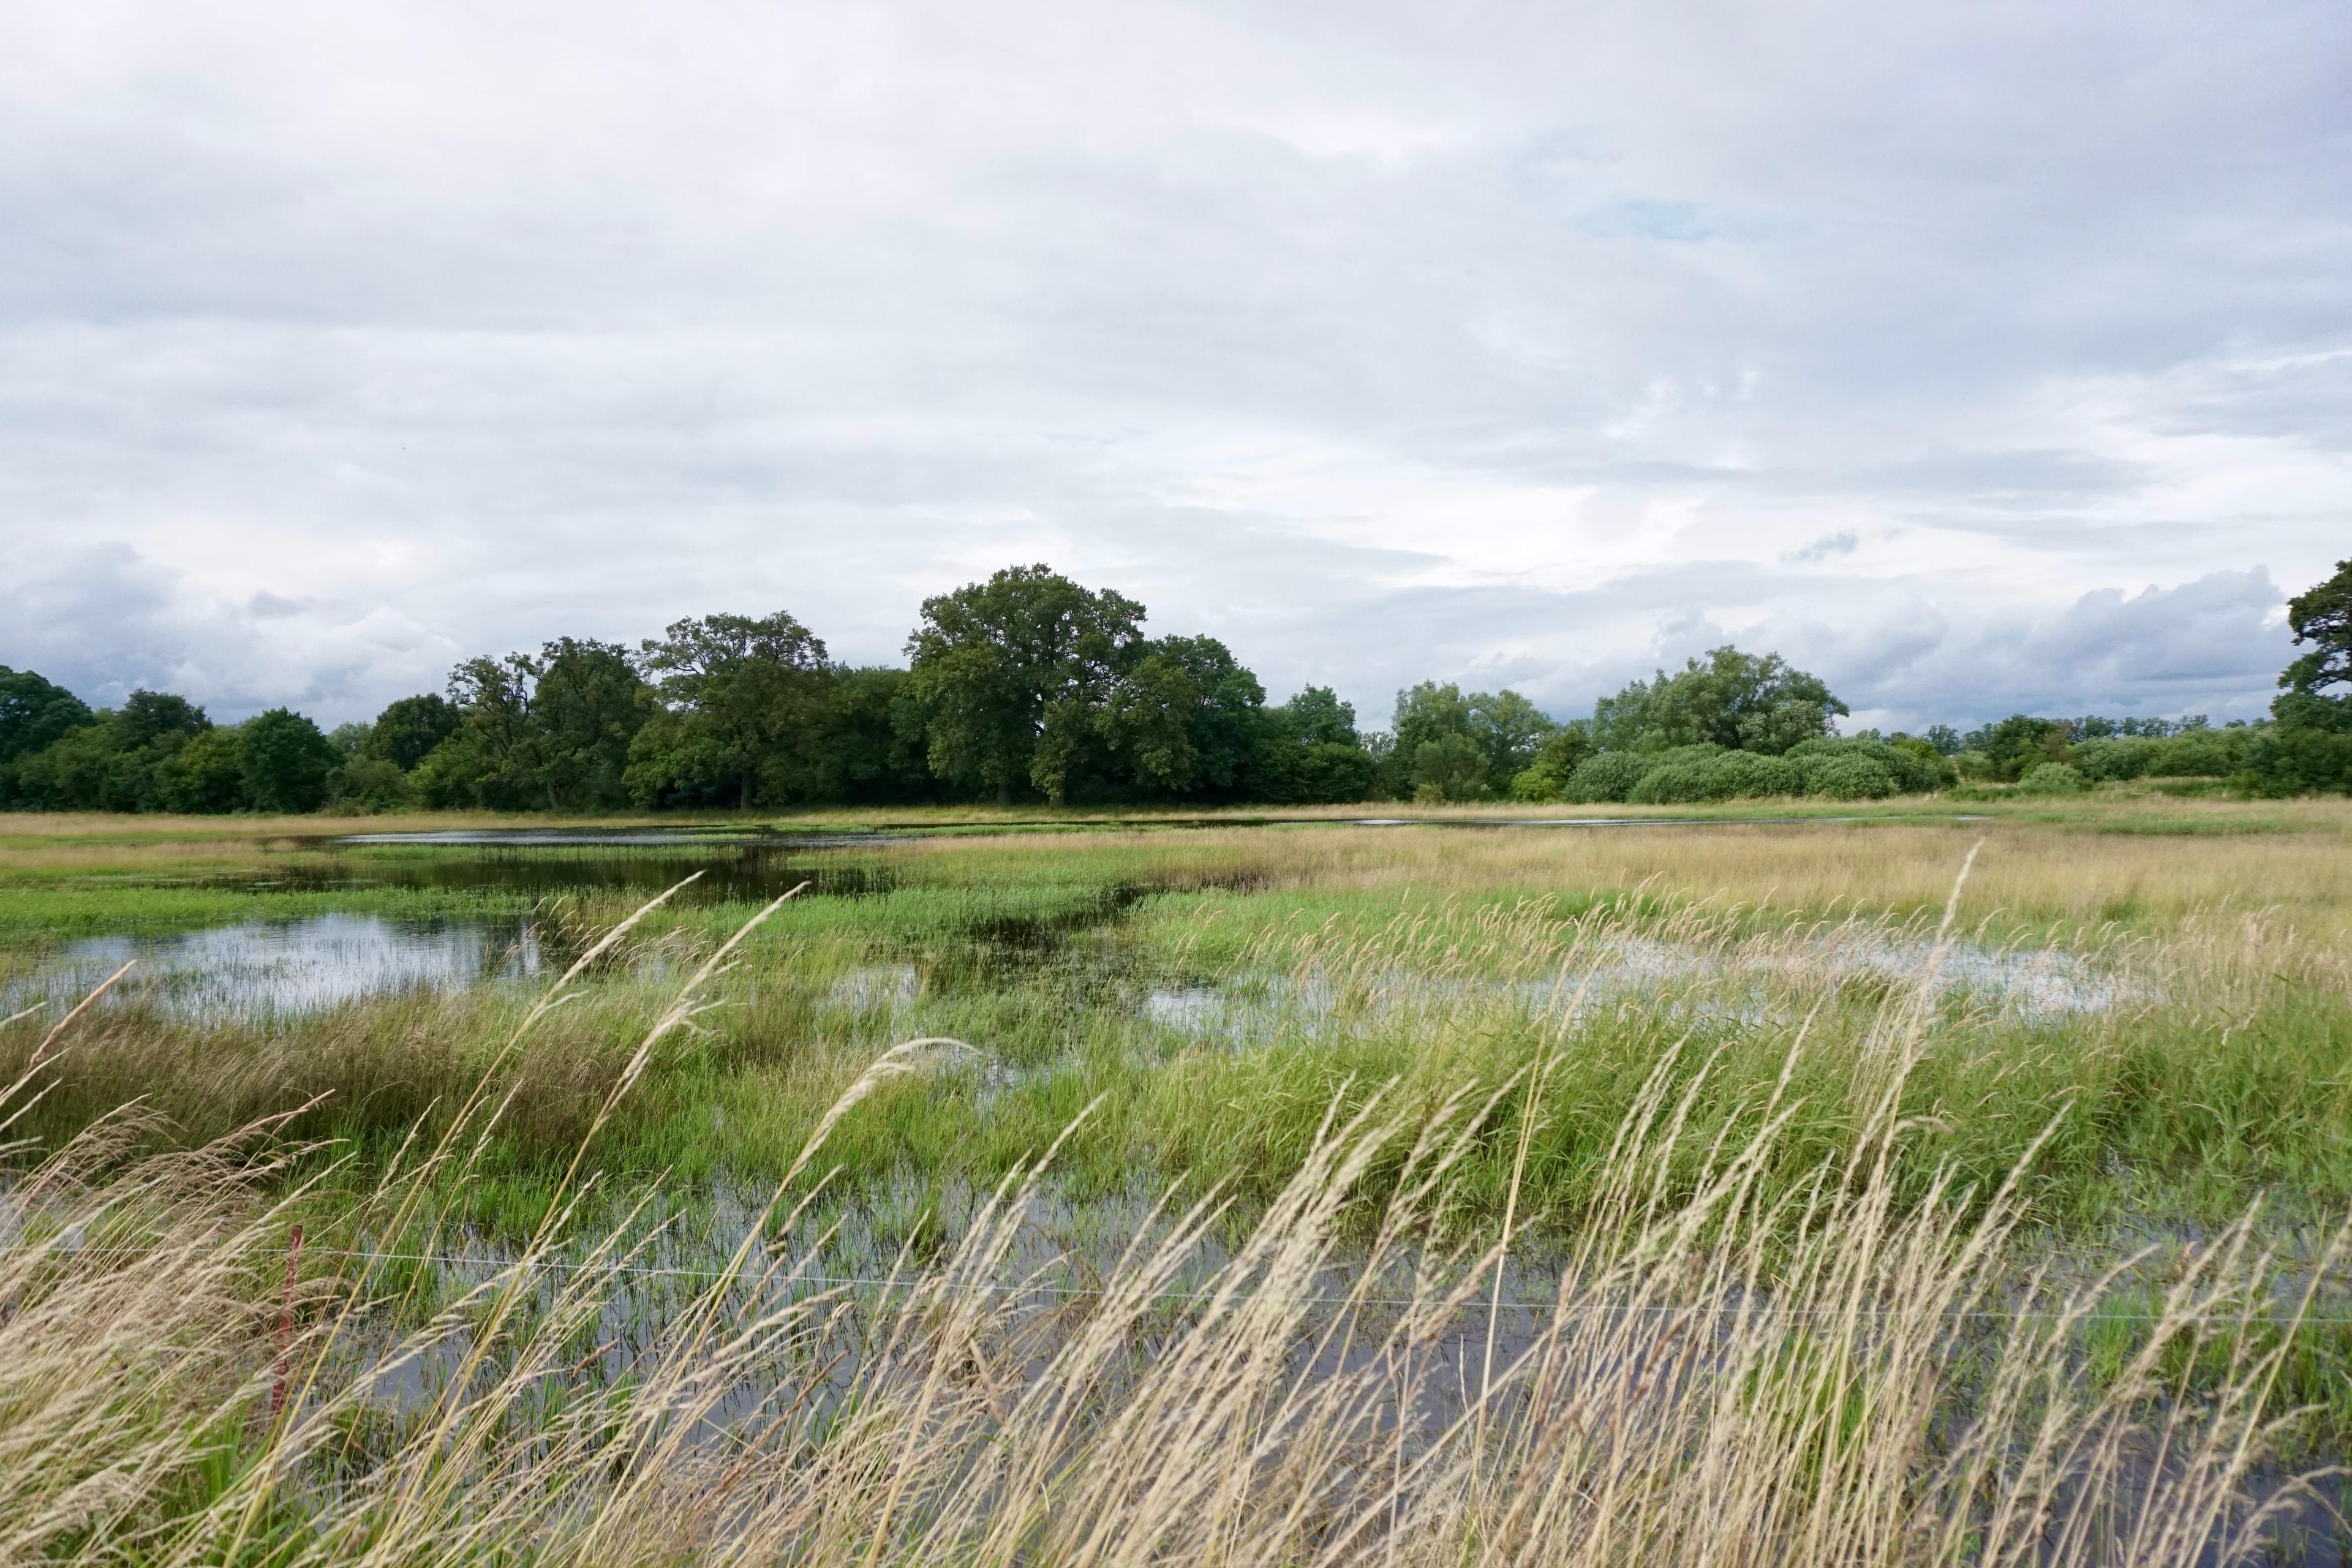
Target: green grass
pixel 2220 1078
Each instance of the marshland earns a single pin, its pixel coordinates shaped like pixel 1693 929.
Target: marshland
pixel 1915 1182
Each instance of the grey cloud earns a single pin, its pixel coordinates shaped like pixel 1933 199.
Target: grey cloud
pixel 1351 334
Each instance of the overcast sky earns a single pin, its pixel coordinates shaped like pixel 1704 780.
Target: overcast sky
pixel 1977 356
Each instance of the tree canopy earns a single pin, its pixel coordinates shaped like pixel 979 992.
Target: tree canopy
pixel 1737 700
pixel 1030 685
pixel 1014 673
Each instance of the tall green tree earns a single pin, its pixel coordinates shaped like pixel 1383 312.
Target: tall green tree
pixel 1013 674
pixel 283 761
pixel 586 706
pixel 1509 731
pixel 2322 616
pixel 752 692
pixel 873 744
pixel 408 729
pixel 1502 728
pixel 1190 718
pixel 1740 701
pixel 1317 717
pixel 492 757
pixel 34 713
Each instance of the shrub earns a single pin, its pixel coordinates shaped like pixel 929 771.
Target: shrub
pixel 1537 782
pixel 1848 776
pixel 370 784
pixel 2050 778
pixel 2200 754
pixel 1607 776
pixel 2285 761
pixel 1740 775
pixel 1676 783
pixel 2114 757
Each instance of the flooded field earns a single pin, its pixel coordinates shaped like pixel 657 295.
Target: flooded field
pixel 1501 1161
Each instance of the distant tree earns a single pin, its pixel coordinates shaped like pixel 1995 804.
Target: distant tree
pixel 1508 730
pixel 203 773
pixel 1426 712
pixel 1945 739
pixel 1503 727
pixel 2322 616
pixel 2018 743
pixel 283 761
pixel 1191 718
pixel 1734 699
pixel 34 712
pixel 492 757
pixel 1013 674
pixel 585 708
pixel 1309 750
pixel 147 718
pixel 1147 719
pixel 1317 717
pixel 1557 759
pixel 408 729
pixel 873 746
pixel 1454 767
pixel 754 691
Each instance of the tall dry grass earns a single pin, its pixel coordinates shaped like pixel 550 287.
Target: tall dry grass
pixel 1849 1368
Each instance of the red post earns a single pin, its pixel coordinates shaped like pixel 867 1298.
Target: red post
pixel 286 1326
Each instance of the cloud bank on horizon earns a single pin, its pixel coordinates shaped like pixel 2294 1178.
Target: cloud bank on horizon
pixel 1977 357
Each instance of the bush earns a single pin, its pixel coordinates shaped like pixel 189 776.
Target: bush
pixel 1536 782
pixel 1334 771
pixel 2114 757
pixel 1742 776
pixel 370 784
pixel 2285 761
pixel 1607 776
pixel 1912 767
pixel 1847 777
pixel 2050 778
pixel 2200 754
pixel 1676 783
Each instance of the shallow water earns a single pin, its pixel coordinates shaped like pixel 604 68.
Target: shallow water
pixel 260 969
pixel 2029 985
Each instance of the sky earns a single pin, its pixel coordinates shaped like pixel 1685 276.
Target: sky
pixel 1977 357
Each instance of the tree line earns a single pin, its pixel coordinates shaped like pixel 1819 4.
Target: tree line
pixel 1030 686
